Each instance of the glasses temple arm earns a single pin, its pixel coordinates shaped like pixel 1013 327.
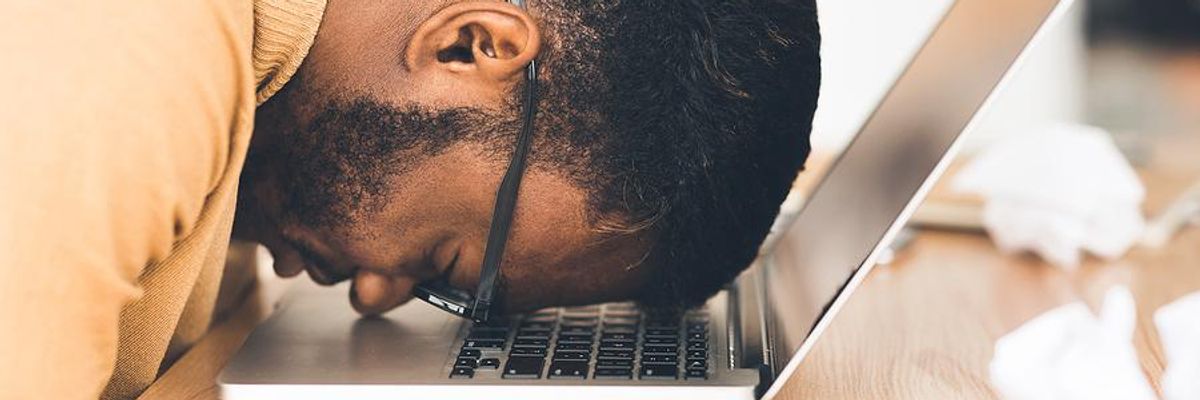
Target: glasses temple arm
pixel 505 207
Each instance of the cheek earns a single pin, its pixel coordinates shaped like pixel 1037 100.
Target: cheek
pixel 431 213
pixel 399 243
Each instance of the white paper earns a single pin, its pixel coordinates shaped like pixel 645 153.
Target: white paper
pixel 1179 332
pixel 1061 191
pixel 1068 353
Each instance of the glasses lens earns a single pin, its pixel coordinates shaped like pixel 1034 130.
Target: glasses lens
pixel 446 297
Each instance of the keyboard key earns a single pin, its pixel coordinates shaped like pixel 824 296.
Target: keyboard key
pixel 482 344
pixel 589 325
pixel 540 343
pixel 672 324
pixel 615 355
pixel 622 311
pixel 660 350
pixel 576 309
pixel 634 316
pixel 573 347
pixel 592 318
pixel 487 334
pixel 497 323
pixel 527 334
pixel 462 373
pixel 575 338
pixel 696 364
pixel 622 306
pixel 567 370
pixel 576 330
pixel 528 352
pixel 696 374
pixel 660 360
pixel 572 356
pixel 697 354
pixel 623 337
pixel 620 328
pixel 659 372
pixel 662 333
pixel 489 363
pixel 697 345
pixel 614 363
pixel 523 368
pixel 472 353
pixel 697 336
pixel 500 325
pixel 661 340
pixel 697 327
pixel 613 373
pixel 537 326
pixel 620 321
pixel 465 362
pixel 614 345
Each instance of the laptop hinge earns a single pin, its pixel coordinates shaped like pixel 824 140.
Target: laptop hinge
pixel 747 330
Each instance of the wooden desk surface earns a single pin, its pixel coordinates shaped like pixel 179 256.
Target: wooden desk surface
pixel 920 328
pixel 924 327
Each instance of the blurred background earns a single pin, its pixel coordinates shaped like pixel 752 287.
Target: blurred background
pixel 1129 66
pixel 946 295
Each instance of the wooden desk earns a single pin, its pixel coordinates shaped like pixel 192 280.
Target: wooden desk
pixel 921 328
pixel 924 327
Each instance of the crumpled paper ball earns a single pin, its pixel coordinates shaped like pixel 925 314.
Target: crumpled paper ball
pixel 1178 326
pixel 1068 353
pixel 1057 192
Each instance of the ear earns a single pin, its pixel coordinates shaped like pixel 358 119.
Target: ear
pixel 477 40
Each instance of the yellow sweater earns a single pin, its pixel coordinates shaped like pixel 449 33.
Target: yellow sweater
pixel 123 129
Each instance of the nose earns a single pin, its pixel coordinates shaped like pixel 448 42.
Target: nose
pixel 288 263
pixel 372 293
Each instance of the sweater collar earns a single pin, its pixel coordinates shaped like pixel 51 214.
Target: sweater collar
pixel 284 30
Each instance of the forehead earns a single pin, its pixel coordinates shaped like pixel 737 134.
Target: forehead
pixel 551 265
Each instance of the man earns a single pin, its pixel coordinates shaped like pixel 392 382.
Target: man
pixel 365 141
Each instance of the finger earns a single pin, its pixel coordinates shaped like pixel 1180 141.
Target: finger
pixel 373 293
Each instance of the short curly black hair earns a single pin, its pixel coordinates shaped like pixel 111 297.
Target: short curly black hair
pixel 689 119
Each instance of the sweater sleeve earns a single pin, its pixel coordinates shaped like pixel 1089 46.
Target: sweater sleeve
pixel 114 123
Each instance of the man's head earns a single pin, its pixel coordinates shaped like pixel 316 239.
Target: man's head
pixel 666 136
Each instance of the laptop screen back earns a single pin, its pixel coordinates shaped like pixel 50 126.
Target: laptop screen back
pixel 880 176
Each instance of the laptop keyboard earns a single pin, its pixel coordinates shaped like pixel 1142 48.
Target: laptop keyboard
pixel 616 341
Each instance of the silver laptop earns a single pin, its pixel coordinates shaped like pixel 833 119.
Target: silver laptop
pixel 744 343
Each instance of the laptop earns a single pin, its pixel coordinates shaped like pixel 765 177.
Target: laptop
pixel 744 343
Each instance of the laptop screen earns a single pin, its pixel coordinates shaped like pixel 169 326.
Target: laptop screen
pixel 872 187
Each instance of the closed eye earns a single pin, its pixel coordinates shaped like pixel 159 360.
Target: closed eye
pixel 451 266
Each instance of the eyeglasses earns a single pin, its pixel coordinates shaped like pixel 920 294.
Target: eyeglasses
pixel 459 302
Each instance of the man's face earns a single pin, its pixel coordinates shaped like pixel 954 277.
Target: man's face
pixel 385 172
